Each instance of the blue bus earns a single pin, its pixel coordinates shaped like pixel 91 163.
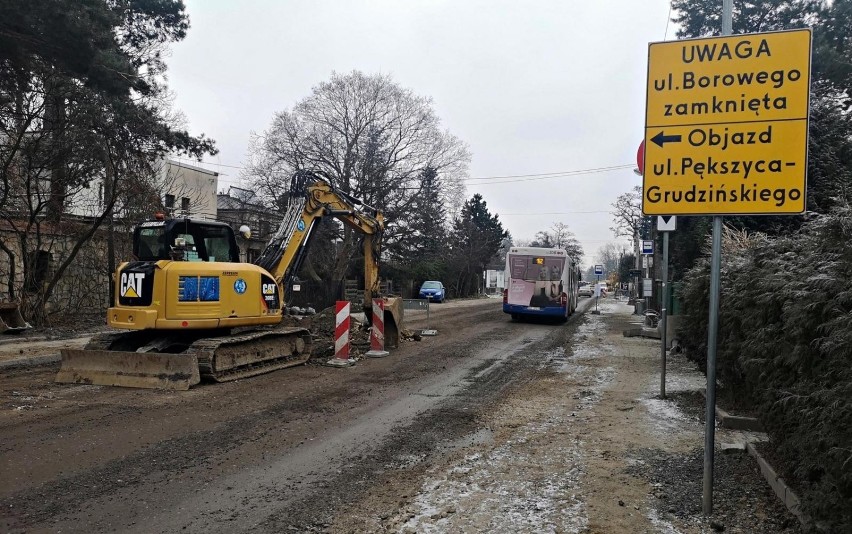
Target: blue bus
pixel 540 282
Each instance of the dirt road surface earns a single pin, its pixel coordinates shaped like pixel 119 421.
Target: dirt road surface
pixel 490 426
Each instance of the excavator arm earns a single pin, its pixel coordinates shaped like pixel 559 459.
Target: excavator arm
pixel 310 199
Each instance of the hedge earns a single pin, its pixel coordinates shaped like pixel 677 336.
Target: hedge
pixel 785 349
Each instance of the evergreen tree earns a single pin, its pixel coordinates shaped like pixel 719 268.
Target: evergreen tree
pixel 422 243
pixel 82 97
pixel 474 240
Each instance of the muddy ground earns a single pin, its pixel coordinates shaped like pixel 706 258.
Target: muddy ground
pixel 490 426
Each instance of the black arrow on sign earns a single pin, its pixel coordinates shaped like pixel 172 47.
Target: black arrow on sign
pixel 666 218
pixel 660 139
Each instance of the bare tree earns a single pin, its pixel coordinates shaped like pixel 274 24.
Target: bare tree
pixel 371 138
pixel 610 256
pixel 628 219
pixel 559 236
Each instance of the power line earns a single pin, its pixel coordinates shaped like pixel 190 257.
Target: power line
pixel 558 212
pixel 558 174
pixel 567 174
pixel 504 179
pixel 196 162
pixel 668 19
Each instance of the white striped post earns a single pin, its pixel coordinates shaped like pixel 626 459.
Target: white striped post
pixel 341 335
pixel 377 333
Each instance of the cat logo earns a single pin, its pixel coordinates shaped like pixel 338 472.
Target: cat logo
pixel 268 289
pixel 131 285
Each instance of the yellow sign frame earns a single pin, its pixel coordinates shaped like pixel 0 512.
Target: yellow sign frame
pixel 726 125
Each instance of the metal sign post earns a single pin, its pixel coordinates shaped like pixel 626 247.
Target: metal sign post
pixel 713 327
pixel 663 312
pixel 647 253
pixel 428 331
pixel 665 225
pixel 712 331
pixel 597 293
pixel 598 272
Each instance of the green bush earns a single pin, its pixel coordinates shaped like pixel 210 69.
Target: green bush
pixel 785 348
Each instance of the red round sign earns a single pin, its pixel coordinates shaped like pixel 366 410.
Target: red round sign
pixel 640 157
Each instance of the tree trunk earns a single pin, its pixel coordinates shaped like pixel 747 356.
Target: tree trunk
pixel 341 264
pixel 12 270
pixel 54 122
pixel 111 258
pixel 108 194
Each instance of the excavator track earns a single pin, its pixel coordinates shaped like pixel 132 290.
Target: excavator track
pixel 136 360
pixel 253 353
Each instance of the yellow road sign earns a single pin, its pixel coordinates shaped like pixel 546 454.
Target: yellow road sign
pixel 726 125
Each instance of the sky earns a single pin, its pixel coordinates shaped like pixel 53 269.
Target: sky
pixel 538 87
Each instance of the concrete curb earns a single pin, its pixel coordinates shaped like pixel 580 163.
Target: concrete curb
pixel 736 422
pixel 642 332
pixel 781 489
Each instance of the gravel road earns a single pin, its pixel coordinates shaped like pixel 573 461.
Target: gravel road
pixel 490 426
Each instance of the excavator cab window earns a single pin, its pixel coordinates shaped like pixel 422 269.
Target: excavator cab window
pixel 151 243
pixel 218 247
pixel 203 240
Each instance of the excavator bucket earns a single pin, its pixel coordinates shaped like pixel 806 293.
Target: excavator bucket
pixel 393 321
pixel 11 321
pixel 128 369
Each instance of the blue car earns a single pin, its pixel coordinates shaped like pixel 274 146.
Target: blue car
pixel 432 290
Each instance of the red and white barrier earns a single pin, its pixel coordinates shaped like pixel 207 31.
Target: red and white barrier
pixel 377 333
pixel 341 334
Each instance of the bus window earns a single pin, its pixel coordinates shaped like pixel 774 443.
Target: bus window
pixel 533 268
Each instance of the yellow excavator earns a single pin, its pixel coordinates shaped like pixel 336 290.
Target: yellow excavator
pixel 190 310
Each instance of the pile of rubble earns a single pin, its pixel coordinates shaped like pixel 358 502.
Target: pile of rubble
pixel 322 330
pixel 322 327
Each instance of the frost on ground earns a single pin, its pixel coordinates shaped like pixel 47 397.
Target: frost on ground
pixel 587 447
pixel 530 480
pixel 664 416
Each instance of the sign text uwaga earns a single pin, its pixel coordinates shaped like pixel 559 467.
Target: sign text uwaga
pixel 726 125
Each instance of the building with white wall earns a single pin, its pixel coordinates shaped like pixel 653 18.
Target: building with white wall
pixel 181 189
pixel 188 191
